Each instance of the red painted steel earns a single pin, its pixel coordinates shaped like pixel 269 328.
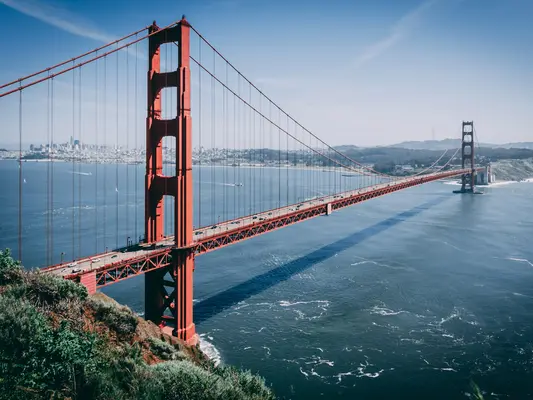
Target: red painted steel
pixel 183 256
pixel 154 217
pixel 89 281
pixel 169 294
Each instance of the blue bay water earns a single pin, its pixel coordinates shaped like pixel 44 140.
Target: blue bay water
pixel 412 295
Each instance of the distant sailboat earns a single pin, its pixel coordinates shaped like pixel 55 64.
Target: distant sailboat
pixel 24 180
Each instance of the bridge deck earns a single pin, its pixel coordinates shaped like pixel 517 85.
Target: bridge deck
pixel 124 263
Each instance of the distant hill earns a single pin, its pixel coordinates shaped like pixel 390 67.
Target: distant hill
pixel 455 143
pixel 346 147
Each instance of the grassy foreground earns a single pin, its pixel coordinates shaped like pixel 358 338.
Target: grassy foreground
pixel 56 342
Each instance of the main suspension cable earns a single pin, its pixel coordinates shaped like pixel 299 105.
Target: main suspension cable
pixel 71 59
pixel 51 76
pixel 283 111
pixel 270 120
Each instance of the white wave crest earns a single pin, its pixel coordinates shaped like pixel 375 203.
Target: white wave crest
pixel 209 350
pixel 522 260
pixel 286 303
pixel 379 310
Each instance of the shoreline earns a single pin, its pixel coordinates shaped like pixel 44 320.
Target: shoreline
pixel 342 170
pixel 324 169
pixel 497 183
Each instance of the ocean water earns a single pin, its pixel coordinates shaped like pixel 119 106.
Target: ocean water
pixel 412 295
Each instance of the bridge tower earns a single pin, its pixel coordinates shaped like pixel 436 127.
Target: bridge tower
pixel 169 291
pixel 468 181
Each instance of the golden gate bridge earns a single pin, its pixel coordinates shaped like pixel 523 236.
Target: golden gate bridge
pixel 187 77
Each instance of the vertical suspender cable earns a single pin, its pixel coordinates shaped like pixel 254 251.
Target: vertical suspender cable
pixel 259 158
pixel 249 144
pixel 213 122
pixel 235 215
pixel 48 209
pixel 271 199
pixel 287 163
pixel 241 153
pixel 224 145
pixel 73 172
pixel 52 173
pixel 249 149
pixel 200 156
pixel 254 170
pixel 116 158
pixel 279 158
pixel 127 143
pixel 79 166
pixel 97 152
pixel 104 182
pixel 136 147
pixel 20 180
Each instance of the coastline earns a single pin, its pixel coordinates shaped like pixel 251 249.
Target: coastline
pixel 493 184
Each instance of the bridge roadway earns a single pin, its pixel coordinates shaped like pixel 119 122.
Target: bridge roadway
pixel 124 263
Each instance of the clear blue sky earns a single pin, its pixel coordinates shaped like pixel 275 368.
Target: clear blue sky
pixel 367 72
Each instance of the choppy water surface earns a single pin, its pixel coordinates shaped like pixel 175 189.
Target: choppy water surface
pixel 413 295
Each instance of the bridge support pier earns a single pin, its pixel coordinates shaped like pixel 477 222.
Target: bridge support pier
pixel 182 270
pixel 169 292
pixel 169 297
pixel 89 281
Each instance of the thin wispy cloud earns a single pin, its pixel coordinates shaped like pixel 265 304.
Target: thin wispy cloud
pixel 398 31
pixel 58 17
pixel 64 20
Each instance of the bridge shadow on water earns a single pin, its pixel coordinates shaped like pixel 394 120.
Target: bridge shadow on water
pixel 216 304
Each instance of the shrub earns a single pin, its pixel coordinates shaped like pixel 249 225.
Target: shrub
pixel 10 270
pixel 253 386
pixel 175 380
pixel 47 289
pixel 165 351
pixel 118 318
pixel 34 358
pixel 119 374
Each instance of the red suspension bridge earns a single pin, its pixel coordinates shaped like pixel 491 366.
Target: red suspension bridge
pixel 256 168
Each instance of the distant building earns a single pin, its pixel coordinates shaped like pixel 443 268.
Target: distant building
pixel 485 176
pixel 404 168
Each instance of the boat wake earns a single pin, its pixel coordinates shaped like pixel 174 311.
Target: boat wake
pixel 522 260
pixel 81 173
